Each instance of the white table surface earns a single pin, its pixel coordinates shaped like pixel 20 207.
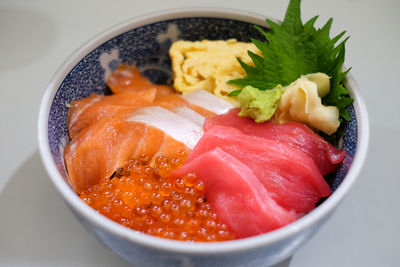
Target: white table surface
pixel 37 229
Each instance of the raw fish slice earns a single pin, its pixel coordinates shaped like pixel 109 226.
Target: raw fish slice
pixel 150 143
pixel 178 127
pixel 236 194
pixel 190 114
pixel 170 101
pixel 127 78
pixel 130 98
pixel 173 101
pixel 104 136
pixel 208 101
pixel 289 175
pixel 75 110
pixel 326 156
pixel 88 118
pixel 201 110
pixel 155 143
pixel 96 152
pixel 86 111
pixel 78 106
pixel 169 148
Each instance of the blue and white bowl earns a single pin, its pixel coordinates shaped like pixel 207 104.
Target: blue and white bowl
pixel 145 42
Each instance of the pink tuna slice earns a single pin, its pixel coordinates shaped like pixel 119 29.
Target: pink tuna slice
pixel 289 175
pixel 236 194
pixel 326 156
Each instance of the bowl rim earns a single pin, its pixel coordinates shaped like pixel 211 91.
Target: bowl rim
pixel 316 215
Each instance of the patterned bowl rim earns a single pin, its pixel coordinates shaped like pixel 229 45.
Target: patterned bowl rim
pixel 314 217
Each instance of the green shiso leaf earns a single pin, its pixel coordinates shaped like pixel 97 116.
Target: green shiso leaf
pixel 292 49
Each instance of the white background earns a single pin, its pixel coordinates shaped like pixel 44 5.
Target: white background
pixel 37 229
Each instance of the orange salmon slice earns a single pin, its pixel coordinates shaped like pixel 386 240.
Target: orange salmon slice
pixel 86 111
pixel 127 78
pixel 99 149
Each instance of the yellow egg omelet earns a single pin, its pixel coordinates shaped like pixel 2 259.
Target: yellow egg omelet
pixel 208 65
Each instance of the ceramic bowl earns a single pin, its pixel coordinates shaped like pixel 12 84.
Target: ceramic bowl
pixel 145 42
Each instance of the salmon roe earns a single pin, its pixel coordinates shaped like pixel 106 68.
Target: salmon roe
pixel 144 199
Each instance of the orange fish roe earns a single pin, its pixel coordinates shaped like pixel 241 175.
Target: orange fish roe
pixel 142 198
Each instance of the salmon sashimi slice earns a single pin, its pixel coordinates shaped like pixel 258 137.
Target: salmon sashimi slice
pixel 127 78
pixel 130 98
pixel 86 111
pixel 236 194
pixel 150 143
pixel 326 156
pixel 289 175
pixel 170 148
pixel 98 150
pixel 170 101
pixel 155 143
pixel 95 107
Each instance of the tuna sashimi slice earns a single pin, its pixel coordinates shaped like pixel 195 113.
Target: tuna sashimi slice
pixel 289 175
pixel 236 194
pixel 326 156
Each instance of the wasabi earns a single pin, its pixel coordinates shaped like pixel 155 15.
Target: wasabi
pixel 259 104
